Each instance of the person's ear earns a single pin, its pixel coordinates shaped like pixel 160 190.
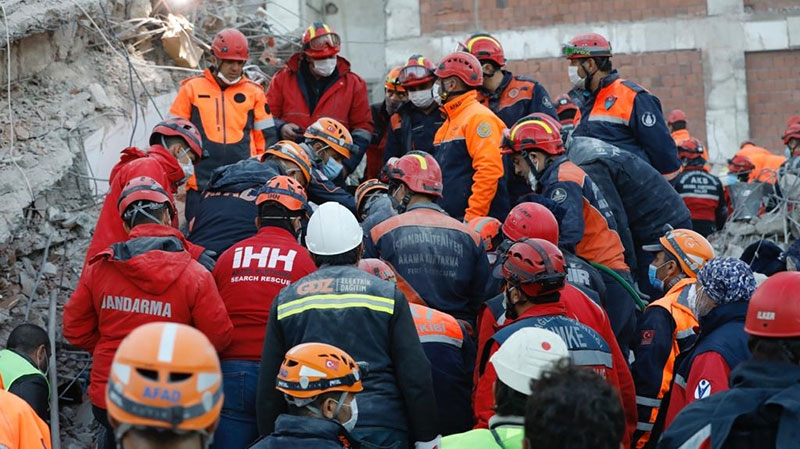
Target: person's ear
pixel 166 217
pixel 328 408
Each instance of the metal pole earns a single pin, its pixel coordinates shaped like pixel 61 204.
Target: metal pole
pixel 55 428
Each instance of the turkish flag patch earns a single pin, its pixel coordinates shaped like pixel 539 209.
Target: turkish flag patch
pixel 647 336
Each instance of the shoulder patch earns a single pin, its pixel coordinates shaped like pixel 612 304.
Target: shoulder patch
pixel 647 337
pixel 703 389
pixel 484 130
pixel 546 102
pixel 559 195
pixel 648 119
pixel 513 93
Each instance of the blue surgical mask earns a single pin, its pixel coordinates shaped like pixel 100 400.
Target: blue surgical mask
pixel 731 179
pixel 332 168
pixel 652 276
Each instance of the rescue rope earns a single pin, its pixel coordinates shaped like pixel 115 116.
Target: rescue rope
pixel 622 282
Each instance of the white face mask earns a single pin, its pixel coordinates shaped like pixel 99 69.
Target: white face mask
pixel 350 424
pixel 226 81
pixel 188 168
pixel 575 79
pixel 324 67
pixel 421 98
pixel 436 93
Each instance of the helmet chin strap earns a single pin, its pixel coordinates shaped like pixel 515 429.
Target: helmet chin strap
pixel 403 205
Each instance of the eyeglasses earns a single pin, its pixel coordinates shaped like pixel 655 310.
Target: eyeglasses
pixel 331 40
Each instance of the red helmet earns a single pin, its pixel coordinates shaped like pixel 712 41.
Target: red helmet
pixel 379 268
pixel 563 104
pixel 676 115
pixel 392 81
pixel 531 220
pixel 367 187
pixel 320 41
pixel 740 164
pixel 485 48
pixel 535 132
pixel 285 191
pixel 690 149
pixel 793 120
pixel 462 65
pixel 489 230
pixel 773 311
pixel 179 127
pixel 419 171
pixel 418 70
pixel 587 45
pixel 792 132
pixel 535 266
pixel 143 188
pixel 230 44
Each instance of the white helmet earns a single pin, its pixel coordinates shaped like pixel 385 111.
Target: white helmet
pixel 525 355
pixel 332 230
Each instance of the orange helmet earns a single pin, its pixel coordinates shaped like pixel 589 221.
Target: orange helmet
pixel 292 152
pixel 486 48
pixel 676 115
pixel 689 248
pixel 690 149
pixel 320 41
pixel 333 133
pixel 285 191
pixel 489 230
pixel 379 268
pixel 310 369
pixel 393 80
pixel 165 375
pixel 367 187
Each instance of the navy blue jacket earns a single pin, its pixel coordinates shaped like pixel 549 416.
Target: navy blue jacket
pixel 305 432
pixel 227 212
pixel 369 319
pixel 321 190
pixel 411 129
pixel 760 410
pixel 627 116
pixel 640 198
pixel 437 255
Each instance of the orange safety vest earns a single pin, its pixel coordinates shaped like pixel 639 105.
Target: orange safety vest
pixel 676 302
pixel 20 427
pixel 434 326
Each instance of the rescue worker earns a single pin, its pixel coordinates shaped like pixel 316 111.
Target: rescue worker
pixel 791 140
pixel 316 83
pixel 568 115
pixel 588 228
pixel 701 191
pixel 666 328
pixel 510 97
pixel 175 146
pixel 147 406
pixel 521 359
pixel 488 228
pixel 724 288
pixel 571 407
pixel 331 145
pixel 20 427
pixel 230 111
pixel 629 186
pixel 534 221
pixel 439 256
pixel 365 316
pixel 760 409
pixel 148 277
pixel 383 270
pixel 467 144
pixel 249 276
pixel 23 365
pixel 537 296
pixel 451 352
pixel 394 97
pixel 366 194
pixel 618 111
pixel 765 164
pixel 415 124
pixel 676 121
pixel 319 383
pixel 227 213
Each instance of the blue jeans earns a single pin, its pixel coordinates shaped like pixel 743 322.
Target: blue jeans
pixel 237 425
pixel 381 438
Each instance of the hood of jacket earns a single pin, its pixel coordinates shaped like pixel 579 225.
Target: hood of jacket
pixel 159 153
pixel 585 150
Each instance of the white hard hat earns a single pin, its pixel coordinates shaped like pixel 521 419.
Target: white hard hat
pixel 525 355
pixel 333 230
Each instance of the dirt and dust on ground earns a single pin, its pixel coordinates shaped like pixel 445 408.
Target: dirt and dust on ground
pixel 79 81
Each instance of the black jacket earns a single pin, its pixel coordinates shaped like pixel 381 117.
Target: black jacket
pixel 369 319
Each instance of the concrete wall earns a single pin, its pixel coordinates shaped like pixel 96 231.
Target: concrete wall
pixel 664 48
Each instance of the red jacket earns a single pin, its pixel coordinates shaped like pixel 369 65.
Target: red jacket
pixel 155 163
pixel 249 275
pixel 345 100
pixel 147 278
pixel 572 304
